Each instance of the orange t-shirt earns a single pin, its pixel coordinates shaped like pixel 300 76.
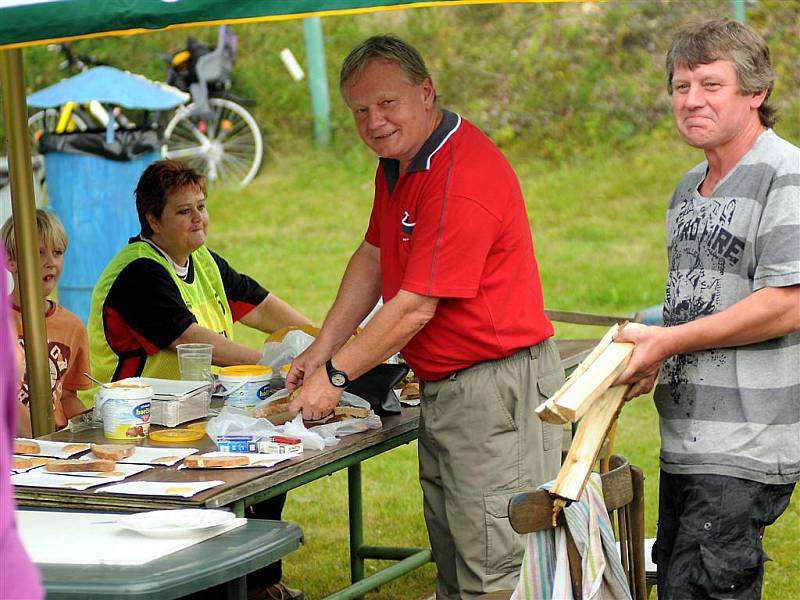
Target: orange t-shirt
pixel 68 351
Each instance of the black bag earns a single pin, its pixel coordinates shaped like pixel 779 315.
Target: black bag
pixel 376 386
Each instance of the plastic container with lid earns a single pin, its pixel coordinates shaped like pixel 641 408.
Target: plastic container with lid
pixel 244 386
pixel 125 409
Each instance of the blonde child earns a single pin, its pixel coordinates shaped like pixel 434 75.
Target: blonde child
pixel 67 341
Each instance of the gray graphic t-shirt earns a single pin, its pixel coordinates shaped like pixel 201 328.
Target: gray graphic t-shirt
pixel 733 411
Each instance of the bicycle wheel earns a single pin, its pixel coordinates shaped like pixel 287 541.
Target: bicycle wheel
pixel 227 147
pixel 45 121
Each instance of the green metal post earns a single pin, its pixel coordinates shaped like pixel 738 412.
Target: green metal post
pixel 23 204
pixel 355 508
pixel 739 11
pixel 318 80
pixel 376 580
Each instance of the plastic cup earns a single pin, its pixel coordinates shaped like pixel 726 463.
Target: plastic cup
pixel 194 361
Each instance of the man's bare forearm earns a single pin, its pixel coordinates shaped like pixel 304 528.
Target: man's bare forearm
pixel 387 333
pixel 764 315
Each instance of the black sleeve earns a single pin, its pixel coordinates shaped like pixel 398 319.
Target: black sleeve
pixel 243 292
pixel 145 296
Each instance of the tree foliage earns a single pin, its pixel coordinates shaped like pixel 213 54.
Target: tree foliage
pixel 557 79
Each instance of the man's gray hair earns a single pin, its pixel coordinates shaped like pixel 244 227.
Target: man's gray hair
pixel 723 39
pixel 384 47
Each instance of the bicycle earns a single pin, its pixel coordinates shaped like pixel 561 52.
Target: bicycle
pixel 214 133
pixel 70 117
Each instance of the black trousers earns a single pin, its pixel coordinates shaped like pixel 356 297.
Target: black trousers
pixel 268 509
pixel 708 543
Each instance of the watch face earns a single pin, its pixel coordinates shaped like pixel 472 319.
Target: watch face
pixel 338 379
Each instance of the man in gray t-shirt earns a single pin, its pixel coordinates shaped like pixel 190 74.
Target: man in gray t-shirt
pixel 728 361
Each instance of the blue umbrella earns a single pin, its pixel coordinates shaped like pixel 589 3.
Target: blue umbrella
pixel 109 86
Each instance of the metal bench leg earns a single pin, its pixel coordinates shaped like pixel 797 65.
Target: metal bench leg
pixel 355 507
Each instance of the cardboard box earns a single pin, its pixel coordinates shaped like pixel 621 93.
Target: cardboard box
pixel 236 443
pixel 275 444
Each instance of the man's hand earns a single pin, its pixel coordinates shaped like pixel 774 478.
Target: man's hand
pixel 648 355
pixel 305 364
pixel 316 398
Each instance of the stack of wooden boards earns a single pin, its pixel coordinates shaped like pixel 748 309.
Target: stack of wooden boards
pixel 587 396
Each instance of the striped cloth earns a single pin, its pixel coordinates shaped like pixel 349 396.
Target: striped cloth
pixel 545 566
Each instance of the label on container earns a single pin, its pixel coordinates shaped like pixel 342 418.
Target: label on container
pixel 245 394
pixel 125 419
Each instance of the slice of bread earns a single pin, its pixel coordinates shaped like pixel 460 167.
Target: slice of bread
pixel 203 462
pixel 351 411
pixel 113 451
pixel 71 466
pixel 26 447
pixel 21 462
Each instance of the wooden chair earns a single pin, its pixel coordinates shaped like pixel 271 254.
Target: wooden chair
pixel 623 491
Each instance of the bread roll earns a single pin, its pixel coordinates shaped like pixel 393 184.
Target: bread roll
pixel 202 462
pixel 26 447
pixel 71 466
pixel 113 451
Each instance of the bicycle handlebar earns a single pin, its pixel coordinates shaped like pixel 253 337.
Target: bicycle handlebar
pixel 76 60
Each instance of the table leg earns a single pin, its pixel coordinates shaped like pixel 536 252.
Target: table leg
pixel 238 508
pixel 355 509
pixel 236 589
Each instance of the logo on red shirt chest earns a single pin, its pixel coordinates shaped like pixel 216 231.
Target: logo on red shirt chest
pixel 406 226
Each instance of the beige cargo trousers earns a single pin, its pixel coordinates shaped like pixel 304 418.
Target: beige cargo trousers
pixel 480 442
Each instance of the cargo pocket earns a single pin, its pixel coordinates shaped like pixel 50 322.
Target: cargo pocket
pixel 726 570
pixel 547 386
pixel 504 546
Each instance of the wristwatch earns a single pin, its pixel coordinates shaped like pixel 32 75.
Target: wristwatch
pixel 337 378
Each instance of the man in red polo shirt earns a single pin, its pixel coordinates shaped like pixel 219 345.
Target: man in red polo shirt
pixel 449 249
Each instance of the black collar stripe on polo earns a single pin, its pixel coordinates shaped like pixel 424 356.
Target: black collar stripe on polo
pixel 422 161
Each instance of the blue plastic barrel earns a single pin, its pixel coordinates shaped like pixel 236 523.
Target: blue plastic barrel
pixel 93 197
pixel 652 315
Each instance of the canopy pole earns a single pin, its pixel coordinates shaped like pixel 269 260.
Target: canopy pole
pixel 23 206
pixel 318 80
pixel 739 11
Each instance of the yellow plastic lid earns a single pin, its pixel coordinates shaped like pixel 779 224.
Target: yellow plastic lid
pixel 278 335
pixel 176 435
pixel 201 426
pixel 245 371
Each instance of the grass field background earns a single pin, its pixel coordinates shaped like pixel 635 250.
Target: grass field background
pixel 599 238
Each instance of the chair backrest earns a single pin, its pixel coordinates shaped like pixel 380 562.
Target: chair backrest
pixel 623 492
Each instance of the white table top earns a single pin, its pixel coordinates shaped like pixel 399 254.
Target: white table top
pixel 90 538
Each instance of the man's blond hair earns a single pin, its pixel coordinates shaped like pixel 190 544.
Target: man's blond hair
pixel 51 232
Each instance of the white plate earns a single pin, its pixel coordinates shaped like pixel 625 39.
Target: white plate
pixel 176 523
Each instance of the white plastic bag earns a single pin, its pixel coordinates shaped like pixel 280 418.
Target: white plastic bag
pixel 277 354
pixel 347 427
pixel 235 421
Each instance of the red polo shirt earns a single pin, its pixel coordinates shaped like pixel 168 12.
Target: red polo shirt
pixel 454 226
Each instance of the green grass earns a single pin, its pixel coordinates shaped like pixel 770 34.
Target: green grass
pixel 599 238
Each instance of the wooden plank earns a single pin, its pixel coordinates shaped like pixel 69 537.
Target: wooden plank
pixel 582 318
pixel 576 400
pixel 531 511
pixel 588 440
pixel 549 411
